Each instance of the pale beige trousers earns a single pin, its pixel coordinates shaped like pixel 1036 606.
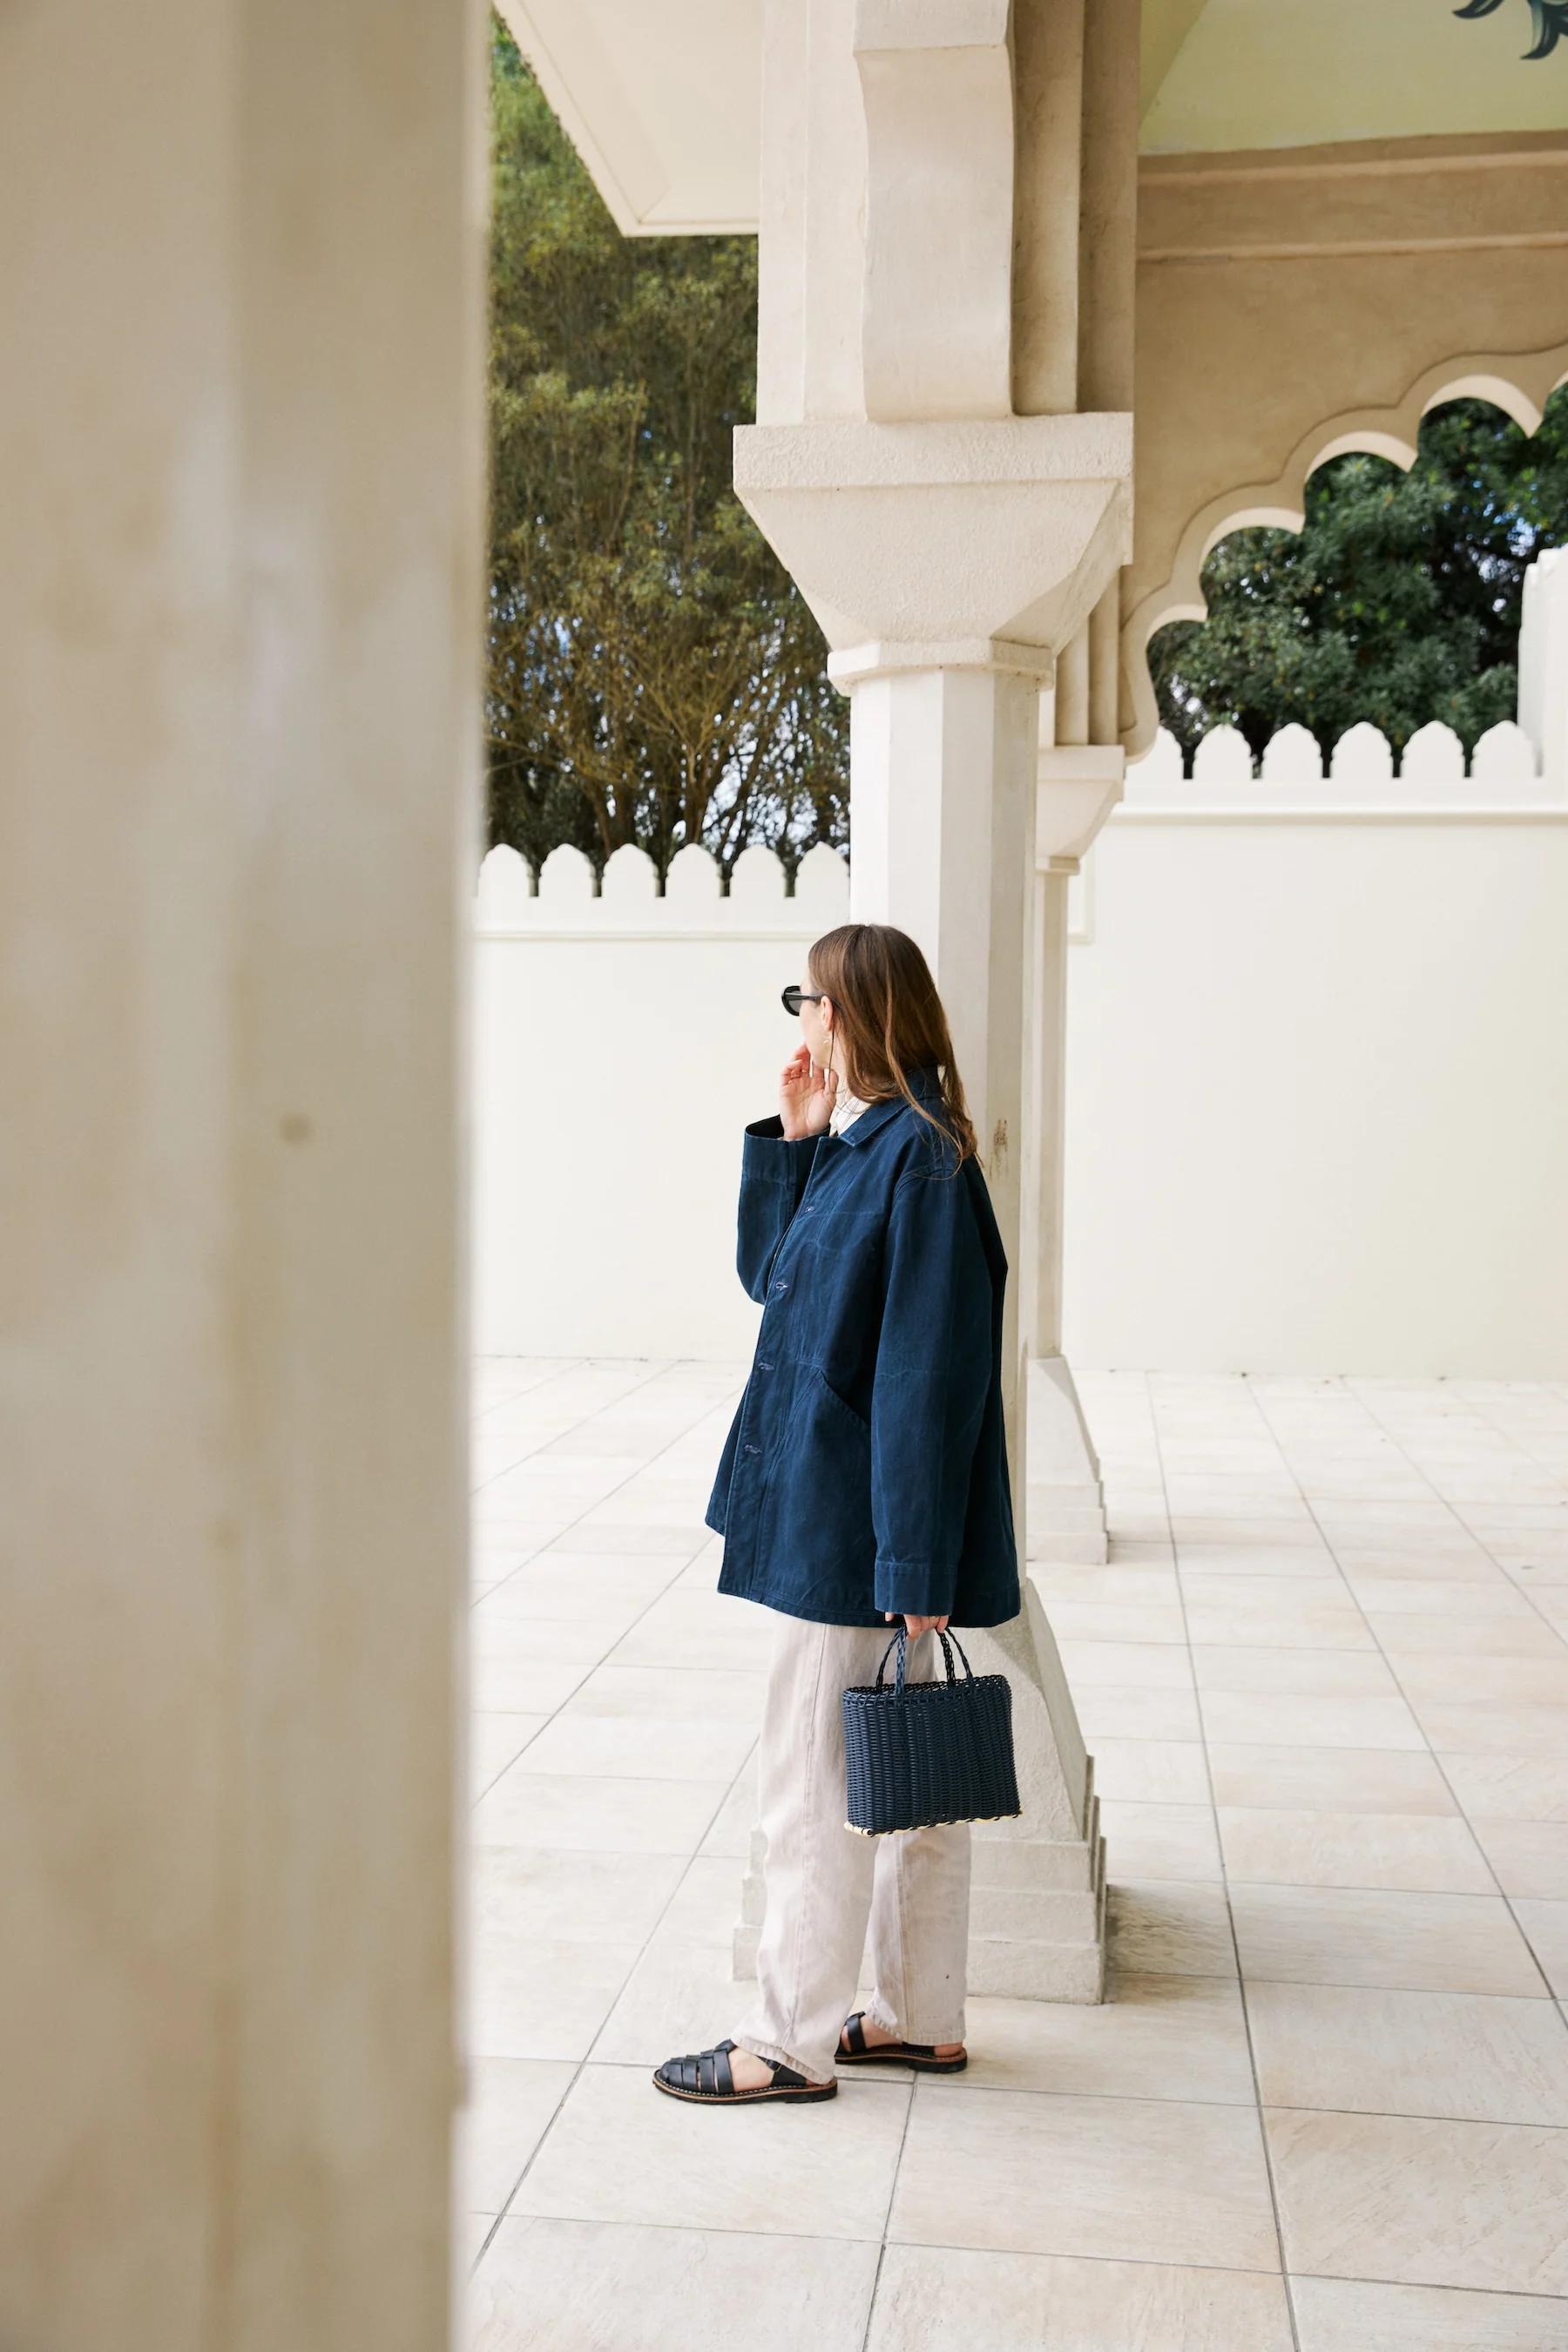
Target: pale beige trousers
pixel 824 1880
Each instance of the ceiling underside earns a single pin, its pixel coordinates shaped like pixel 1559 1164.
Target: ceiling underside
pixel 662 98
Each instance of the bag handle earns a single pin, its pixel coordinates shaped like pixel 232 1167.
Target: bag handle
pixel 950 1641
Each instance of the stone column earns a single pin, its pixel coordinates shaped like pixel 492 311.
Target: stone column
pixel 1082 764
pixel 953 522
pixel 1078 784
pixel 241 442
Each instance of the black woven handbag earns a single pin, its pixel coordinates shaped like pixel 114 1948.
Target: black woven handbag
pixel 921 1753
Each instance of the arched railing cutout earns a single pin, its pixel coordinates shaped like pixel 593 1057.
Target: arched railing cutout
pixel 1519 384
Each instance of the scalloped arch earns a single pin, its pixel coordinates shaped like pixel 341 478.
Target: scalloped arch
pixel 1519 383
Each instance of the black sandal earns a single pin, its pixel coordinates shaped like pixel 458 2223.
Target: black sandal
pixel 860 2053
pixel 705 2075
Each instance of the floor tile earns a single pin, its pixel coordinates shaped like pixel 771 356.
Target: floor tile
pixel 1158 2037
pixel 532 1996
pixel 554 1586
pixel 1323 1674
pixel 621 2151
pixel 1508 1786
pixel 600 2286
pixel 1155 1665
pixel 1198 1528
pixel 1257 1560
pixel 697 1629
pixel 1338 1780
pixel 1471 2056
pixel 1267 1624
pixel 1519 1729
pixel 521 1666
pixel 1546 1925
pixel 1529 1857
pixel 731 1830
pixel 679 1995
pixel 1125 1587
pixel 1157 1771
pixel 1306 1719
pixel 930 2299
pixel 1466 1564
pixel 1116 1621
pixel 1358 2315
pixel 1135 1711
pixel 1169 1927
pixel 510 2104
pixel 606 1816
pixel 584 1897
pixel 1320 1848
pixel 1156 2180
pixel 1433 1596
pixel 494 1742
pixel 1430 1943
pixel 705 1903
pixel 735 1696
pixel 1421 2202
pixel 1155 1841
pixel 1475 1679
pixel 1414 1634
pixel 659 1749
pixel 1393 1994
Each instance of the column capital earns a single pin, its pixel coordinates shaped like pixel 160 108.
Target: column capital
pixel 1078 785
pixel 1004 657
pixel 986 536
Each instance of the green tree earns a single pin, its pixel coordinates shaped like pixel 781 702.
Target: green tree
pixel 653 675
pixel 1398 602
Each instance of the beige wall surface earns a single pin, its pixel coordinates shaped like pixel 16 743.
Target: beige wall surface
pixel 1318 1096
pixel 1293 73
pixel 1318 1099
pixel 1293 305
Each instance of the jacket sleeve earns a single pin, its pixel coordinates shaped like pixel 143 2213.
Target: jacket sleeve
pixel 929 1391
pixel 772 1178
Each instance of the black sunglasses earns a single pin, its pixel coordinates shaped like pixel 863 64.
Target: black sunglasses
pixel 793 999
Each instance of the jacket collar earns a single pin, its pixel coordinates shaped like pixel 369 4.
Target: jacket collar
pixel 925 1085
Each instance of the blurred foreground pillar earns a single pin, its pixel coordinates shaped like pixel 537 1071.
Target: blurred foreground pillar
pixel 240 439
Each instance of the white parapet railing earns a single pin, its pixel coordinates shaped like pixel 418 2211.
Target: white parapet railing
pixel 1516 771
pixel 1362 777
pixel 560 901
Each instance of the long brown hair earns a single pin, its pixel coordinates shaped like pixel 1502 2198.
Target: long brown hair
pixel 889 1020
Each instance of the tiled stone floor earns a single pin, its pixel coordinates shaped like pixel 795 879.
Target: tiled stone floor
pixel 1325 1683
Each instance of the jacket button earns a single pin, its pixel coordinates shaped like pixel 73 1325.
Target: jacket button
pixel 781 1285
pixel 764 1363
pixel 753 1449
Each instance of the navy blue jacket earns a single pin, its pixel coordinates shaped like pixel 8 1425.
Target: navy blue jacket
pixel 866 1468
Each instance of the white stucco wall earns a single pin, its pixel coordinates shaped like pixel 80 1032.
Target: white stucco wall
pixel 1318 1077
pixel 1317 1099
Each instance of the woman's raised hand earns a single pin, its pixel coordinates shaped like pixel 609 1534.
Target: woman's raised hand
pixel 807 1096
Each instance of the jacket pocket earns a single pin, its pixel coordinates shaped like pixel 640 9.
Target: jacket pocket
pixel 818 1520
pixel 856 1421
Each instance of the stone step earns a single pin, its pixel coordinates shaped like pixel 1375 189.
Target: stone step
pixel 1048 1915
pixel 1036 1866
pixel 1053 1512
pixel 1085 1548
pixel 1037 1971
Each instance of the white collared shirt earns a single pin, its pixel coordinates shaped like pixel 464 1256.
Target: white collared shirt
pixel 846 1107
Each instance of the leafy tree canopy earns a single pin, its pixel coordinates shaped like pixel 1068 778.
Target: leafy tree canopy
pixel 653 675
pixel 1398 602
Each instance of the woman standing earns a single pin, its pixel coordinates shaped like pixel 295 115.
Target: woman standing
pixel 864 1480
